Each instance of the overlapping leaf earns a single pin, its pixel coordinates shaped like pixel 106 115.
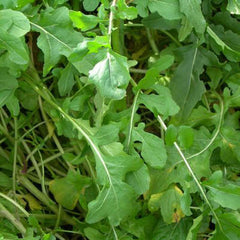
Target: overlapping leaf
pixel 105 75
pixel 57 36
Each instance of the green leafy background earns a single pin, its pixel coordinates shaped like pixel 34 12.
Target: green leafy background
pixel 119 119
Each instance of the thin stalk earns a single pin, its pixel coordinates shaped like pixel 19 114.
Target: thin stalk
pixel 58 217
pixel 74 122
pixel 216 133
pixel 30 130
pixel 111 16
pixel 3 121
pixel 133 25
pixel 192 173
pixel 92 173
pixel 43 175
pixel 134 106
pixel 172 37
pixel 5 213
pixel 31 156
pixel 152 42
pixel 49 159
pixel 5 132
pixel 141 71
pixel 15 204
pixel 50 127
pixel 15 156
pixel 115 233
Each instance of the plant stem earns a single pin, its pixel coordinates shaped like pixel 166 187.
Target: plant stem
pixel 15 204
pixel 111 16
pixel 192 173
pixel 15 156
pixel 118 37
pixel 135 70
pixel 5 213
pixel 134 107
pixel 172 38
pixel 152 42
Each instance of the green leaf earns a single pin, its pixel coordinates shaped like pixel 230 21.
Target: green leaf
pixel 150 144
pixel 105 75
pixel 5 181
pixel 66 80
pixel 93 234
pixel 233 6
pixel 13 22
pixel 116 199
pixel 15 46
pixel 230 143
pixel 73 159
pixel 82 21
pixel 163 63
pixel 152 74
pixel 142 7
pixel 193 231
pixel 67 190
pixel 169 203
pixel 139 180
pixel 230 223
pixel 57 36
pixel 155 21
pixel 8 85
pixel 185 30
pixel 13 106
pixel 225 194
pixel 125 12
pixel 169 9
pixel 90 5
pixel 27 96
pixel 186 87
pixel 228 42
pixel 22 3
pixel 115 202
pixel 173 231
pixel 186 136
pixel 171 135
pixel 8 3
pixel 106 134
pixel 142 228
pixel 192 10
pixel 161 103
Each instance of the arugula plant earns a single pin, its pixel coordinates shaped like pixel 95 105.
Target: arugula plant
pixel 119 119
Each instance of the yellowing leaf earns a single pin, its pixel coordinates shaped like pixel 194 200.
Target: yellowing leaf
pixel 169 203
pixel 67 190
pixel 32 202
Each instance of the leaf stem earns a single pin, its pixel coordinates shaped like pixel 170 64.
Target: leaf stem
pixel 15 156
pixel 152 42
pixel 216 133
pixel 172 37
pixel 111 16
pixel 134 106
pixel 192 173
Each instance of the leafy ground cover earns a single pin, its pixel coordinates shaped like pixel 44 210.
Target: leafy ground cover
pixel 119 119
